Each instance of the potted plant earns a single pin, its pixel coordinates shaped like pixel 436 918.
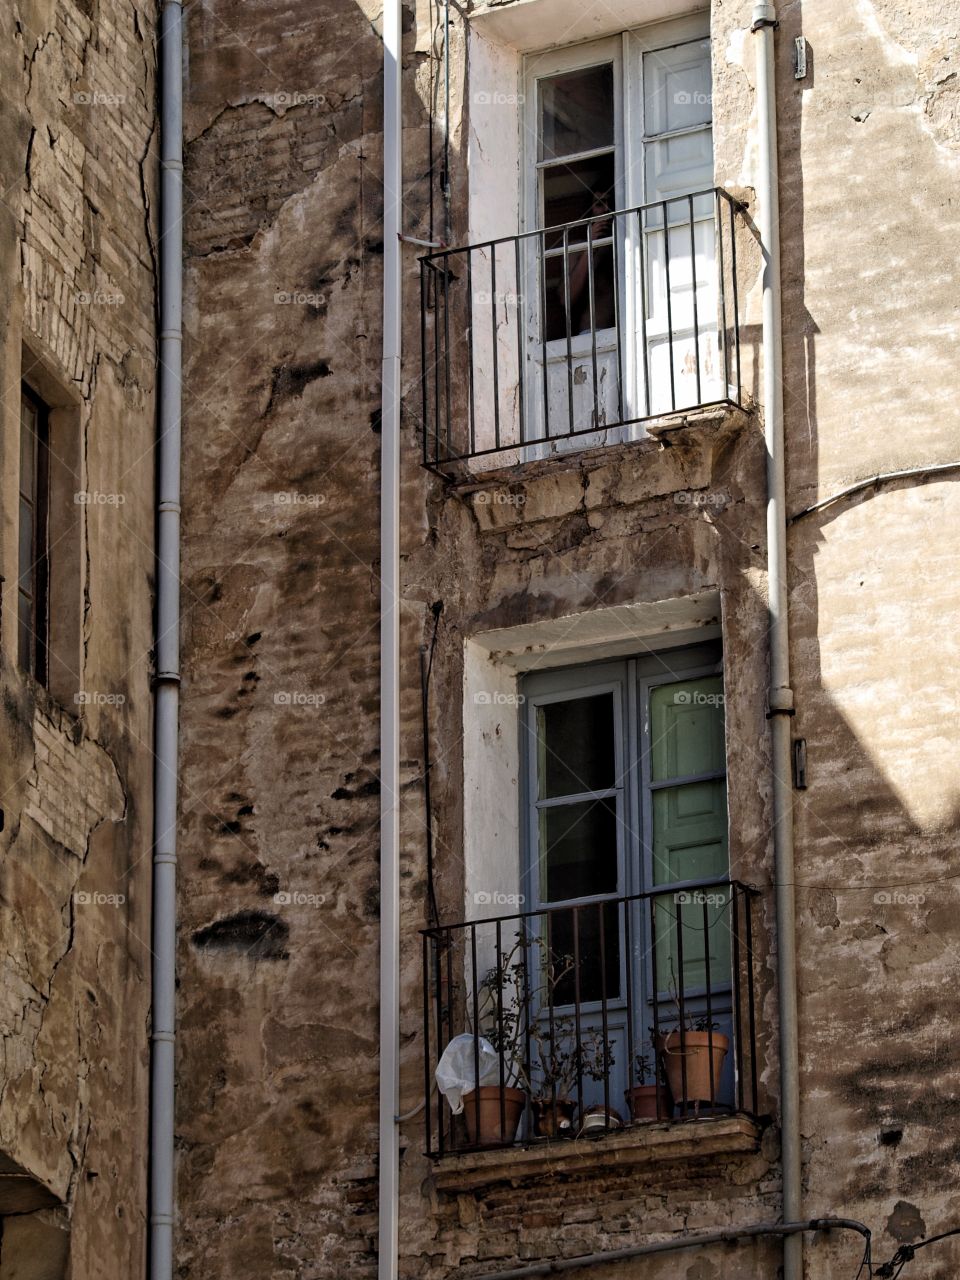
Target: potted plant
pixel 692 1058
pixel 560 1062
pixel 644 1099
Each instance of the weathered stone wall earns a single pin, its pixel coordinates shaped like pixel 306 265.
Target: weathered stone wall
pixel 277 1111
pixel 77 233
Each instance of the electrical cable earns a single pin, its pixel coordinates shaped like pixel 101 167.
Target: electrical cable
pixel 426 670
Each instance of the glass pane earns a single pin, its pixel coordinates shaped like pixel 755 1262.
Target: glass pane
pixel 28 419
pixel 686 728
pixel 584 189
pixel 604 302
pixel 575 746
pixel 592 971
pixel 578 850
pixel 24 632
pixel 25 565
pixel 576 111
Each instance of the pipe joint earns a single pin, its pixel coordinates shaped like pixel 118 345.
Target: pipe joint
pixel 764 15
pixel 780 702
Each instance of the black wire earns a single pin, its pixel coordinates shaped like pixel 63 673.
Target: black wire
pixel 426 670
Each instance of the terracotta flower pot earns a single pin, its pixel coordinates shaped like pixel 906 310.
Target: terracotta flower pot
pixel 642 1102
pixel 690 1058
pixel 490 1132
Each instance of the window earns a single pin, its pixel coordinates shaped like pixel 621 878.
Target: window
pixel 33 579
pixel 622 314
pixel 624 794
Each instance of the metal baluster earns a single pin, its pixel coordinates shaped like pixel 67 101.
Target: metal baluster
pixel 655 993
pixel 601 912
pixel 470 371
pixel 423 362
pixel 628 949
pixel 696 315
pixel 500 1044
pixel 496 367
pixel 722 286
pixel 427 1114
pixel 521 380
pixel 748 914
pixel 438 979
pixel 593 322
pixel 476 1033
pixel 566 306
pixel 706 961
pixel 446 355
pixel 736 297
pixel 669 290
pixel 542 265
pixel 680 996
pixel 576 1009
pixel 643 313
pixel 737 1000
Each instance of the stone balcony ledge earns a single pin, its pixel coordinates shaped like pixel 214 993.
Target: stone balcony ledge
pixel 641 1145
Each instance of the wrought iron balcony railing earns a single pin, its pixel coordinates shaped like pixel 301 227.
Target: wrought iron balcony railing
pixel 585 1017
pixel 573 336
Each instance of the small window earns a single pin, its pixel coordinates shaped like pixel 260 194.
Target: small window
pixel 33 574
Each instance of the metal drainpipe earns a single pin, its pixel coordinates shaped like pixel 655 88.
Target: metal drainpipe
pixel 167 693
pixel 781 694
pixel 389 1140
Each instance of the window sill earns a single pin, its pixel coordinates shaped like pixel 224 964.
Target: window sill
pixel 642 1145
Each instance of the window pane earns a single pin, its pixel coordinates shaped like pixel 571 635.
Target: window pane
pixel 592 973
pixel 25 567
pixel 24 631
pixel 578 850
pixel 576 111
pixel 28 419
pixel 583 189
pixel 575 746
pixel 604 304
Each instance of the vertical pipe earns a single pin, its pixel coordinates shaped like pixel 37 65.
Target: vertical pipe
pixel 167 709
pixel 389 1135
pixel 781 694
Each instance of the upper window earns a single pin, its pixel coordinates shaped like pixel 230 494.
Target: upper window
pixel 33 578
pixel 622 313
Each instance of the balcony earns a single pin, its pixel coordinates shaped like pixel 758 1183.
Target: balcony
pixel 600 1017
pixel 574 336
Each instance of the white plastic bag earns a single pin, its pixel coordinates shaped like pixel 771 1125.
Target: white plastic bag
pixel 457 1071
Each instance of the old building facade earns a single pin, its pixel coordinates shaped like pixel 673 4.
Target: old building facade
pixel 77 355
pixel 586 780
